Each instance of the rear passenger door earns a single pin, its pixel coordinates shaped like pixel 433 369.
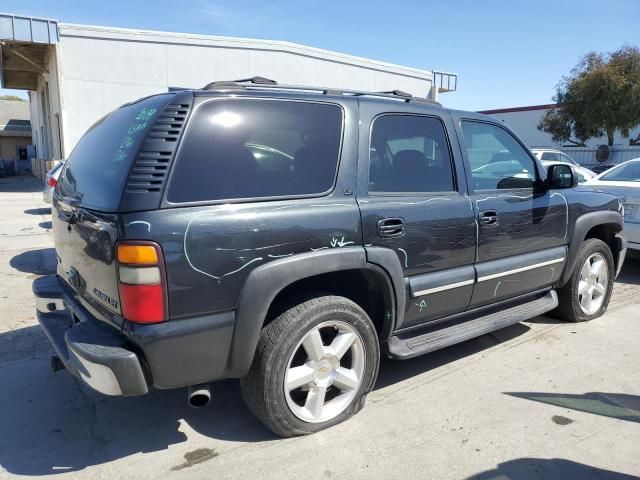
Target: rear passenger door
pixel 412 198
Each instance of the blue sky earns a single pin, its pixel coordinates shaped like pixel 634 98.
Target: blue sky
pixel 507 53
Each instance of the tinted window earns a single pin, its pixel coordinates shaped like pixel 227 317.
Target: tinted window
pixel 409 153
pixel 550 156
pixel 497 160
pixel 629 172
pixel 257 148
pixel 98 166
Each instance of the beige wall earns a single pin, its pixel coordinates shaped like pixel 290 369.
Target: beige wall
pixel 8 145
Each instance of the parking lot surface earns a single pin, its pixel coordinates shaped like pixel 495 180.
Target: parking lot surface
pixel 541 399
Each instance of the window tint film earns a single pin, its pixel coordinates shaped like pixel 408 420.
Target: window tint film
pixel 409 153
pixel 257 148
pixel 496 159
pixel 98 166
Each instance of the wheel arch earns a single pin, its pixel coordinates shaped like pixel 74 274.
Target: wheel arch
pixel 269 289
pixel 604 225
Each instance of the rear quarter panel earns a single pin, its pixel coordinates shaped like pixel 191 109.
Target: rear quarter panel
pixel 210 249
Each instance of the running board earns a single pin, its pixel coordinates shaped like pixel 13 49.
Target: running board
pixel 412 346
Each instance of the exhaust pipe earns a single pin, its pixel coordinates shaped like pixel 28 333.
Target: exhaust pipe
pixel 199 395
pixel 56 363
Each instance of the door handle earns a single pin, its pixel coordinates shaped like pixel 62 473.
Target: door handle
pixel 391 227
pixel 489 218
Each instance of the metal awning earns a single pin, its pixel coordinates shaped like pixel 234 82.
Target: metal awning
pixel 28 29
pixel 445 81
pixel 24 43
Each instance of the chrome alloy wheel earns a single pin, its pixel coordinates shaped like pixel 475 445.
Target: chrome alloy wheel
pixel 592 287
pixel 324 372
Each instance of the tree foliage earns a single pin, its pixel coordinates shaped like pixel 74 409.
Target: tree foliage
pixel 600 96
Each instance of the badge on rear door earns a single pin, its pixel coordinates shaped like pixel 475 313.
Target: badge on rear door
pixel 105 298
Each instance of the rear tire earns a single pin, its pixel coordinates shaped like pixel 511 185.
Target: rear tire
pixel 314 365
pixel 587 293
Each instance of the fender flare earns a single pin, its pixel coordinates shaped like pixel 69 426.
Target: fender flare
pixel 266 281
pixel 582 225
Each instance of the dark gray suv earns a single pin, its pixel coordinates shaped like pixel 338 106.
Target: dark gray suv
pixel 289 236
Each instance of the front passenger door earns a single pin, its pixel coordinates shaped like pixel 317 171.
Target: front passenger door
pixel 523 226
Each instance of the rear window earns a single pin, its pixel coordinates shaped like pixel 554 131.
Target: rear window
pixel 99 164
pixel 235 149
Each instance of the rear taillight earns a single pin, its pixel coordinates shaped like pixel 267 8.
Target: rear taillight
pixel 52 182
pixel 141 281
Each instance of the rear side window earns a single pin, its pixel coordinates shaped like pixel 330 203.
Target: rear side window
pixel 98 166
pixel 235 149
pixel 409 153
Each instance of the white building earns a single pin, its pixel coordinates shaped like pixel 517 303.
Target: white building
pixel 78 73
pixel 524 121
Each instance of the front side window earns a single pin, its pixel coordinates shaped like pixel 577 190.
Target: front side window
pixel 409 153
pixel 629 172
pixel 235 149
pixel 496 158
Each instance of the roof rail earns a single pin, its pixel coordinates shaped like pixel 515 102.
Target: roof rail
pixel 398 93
pixel 231 83
pixel 257 83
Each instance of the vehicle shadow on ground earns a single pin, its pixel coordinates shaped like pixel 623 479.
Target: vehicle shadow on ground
pixel 630 273
pixel 21 183
pixel 548 469
pixel 41 261
pixel 53 424
pixel 394 371
pixel 614 405
pixel 38 211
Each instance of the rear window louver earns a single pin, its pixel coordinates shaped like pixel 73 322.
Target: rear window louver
pixel 151 165
pixel 150 169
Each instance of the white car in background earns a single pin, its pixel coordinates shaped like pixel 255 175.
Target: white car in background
pixel 50 182
pixel 624 181
pixel 552 155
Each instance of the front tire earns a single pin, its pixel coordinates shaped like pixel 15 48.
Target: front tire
pixel 587 293
pixel 313 366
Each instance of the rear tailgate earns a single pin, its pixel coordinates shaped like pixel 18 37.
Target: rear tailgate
pixel 85 246
pixel 87 200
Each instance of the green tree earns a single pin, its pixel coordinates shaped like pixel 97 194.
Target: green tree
pixel 12 98
pixel 600 96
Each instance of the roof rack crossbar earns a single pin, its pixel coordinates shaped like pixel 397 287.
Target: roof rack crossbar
pixel 259 83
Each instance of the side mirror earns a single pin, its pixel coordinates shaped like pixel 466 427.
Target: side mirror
pixel 561 176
